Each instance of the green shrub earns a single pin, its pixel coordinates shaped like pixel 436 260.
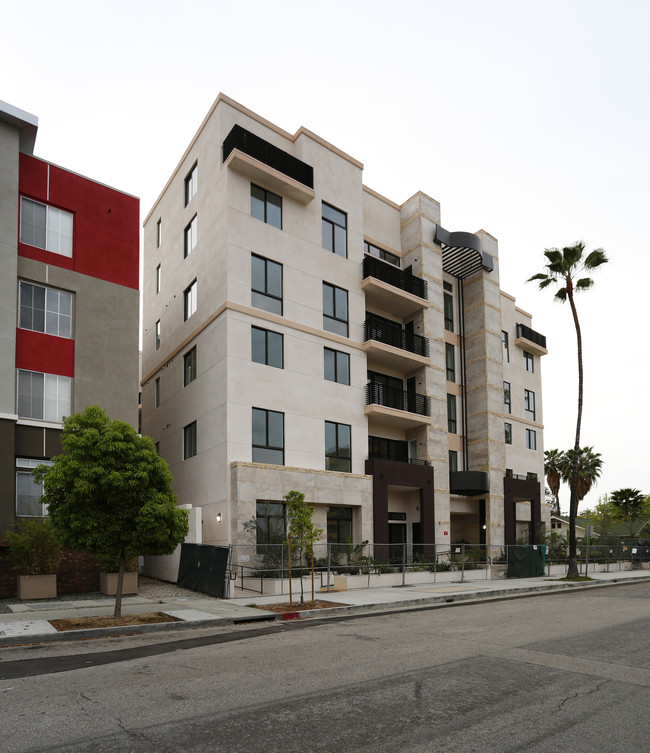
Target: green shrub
pixel 34 547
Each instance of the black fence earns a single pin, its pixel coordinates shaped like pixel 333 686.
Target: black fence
pixel 389 334
pixel 391 397
pixel 399 278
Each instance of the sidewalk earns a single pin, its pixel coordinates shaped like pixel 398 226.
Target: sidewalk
pixel 28 622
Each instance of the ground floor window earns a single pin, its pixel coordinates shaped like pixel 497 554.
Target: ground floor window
pixel 339 525
pixel 28 491
pixel 271 522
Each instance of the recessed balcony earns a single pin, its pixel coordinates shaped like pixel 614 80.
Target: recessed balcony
pixel 400 408
pixel 391 289
pixel 388 345
pixel 529 340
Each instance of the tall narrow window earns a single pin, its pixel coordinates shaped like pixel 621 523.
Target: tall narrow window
pixel 453 461
pixel 338 447
pixel 266 206
pixel 157 334
pixel 158 279
pixel 42 309
pixel 156 393
pixel 189 367
pixel 337 366
pixel 335 230
pixel 531 439
pixel 335 309
pixel 191 184
pixel 448 307
pixel 450 357
pixel 45 227
pixel 189 441
pixel 451 414
pixel 191 236
pixel 505 346
pixel 271 524
pixel 529 404
pixel 266 284
pixel 267 347
pixel 190 300
pixel 529 361
pixel 268 436
pixel 508 433
pixel 339 525
pixel 507 403
pixel 29 492
pixel 158 233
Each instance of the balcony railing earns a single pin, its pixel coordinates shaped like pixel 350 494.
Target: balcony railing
pixel 530 334
pixel 259 149
pixel 381 270
pixel 396 458
pixel 388 333
pixel 391 397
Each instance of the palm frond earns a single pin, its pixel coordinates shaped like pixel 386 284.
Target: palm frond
pixel 584 284
pixel 561 295
pixel 595 259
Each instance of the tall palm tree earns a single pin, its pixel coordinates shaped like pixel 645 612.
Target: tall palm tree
pixel 590 466
pixel 554 461
pixel 564 269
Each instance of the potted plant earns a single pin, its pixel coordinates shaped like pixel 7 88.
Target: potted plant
pixel 35 553
pixel 109 572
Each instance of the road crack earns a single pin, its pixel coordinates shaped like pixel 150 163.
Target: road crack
pixel 583 693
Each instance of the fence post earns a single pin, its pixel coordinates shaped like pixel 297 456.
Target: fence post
pixel 404 564
pixel 329 564
pixel 282 569
pixel 462 563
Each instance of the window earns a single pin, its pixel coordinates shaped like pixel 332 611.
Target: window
pixel 339 525
pixel 158 334
pixel 191 184
pixel 389 449
pixel 156 393
pixel 191 236
pixel 507 406
pixel 505 346
pixel 158 279
pixel 453 461
pixel 266 284
pixel 45 227
pixel 268 436
pixel 189 367
pixel 43 396
pixel 451 414
pixel 529 404
pixel 189 441
pixel 530 476
pixel 266 206
pixel 508 433
pixel 157 448
pixel 267 347
pixel 531 439
pixel 449 312
pixel 337 366
pixel 509 473
pixel 158 233
pixel 450 357
pixel 373 250
pixel 335 309
pixel 335 231
pixel 45 310
pixel 28 491
pixel 189 301
pixel 338 447
pixel 529 361
pixel 271 523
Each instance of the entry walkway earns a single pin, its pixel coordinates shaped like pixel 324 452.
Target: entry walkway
pixel 28 622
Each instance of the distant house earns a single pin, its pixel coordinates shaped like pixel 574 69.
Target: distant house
pixel 560 524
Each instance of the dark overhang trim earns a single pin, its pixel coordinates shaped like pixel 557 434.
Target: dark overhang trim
pixel 462 253
pixel 469 483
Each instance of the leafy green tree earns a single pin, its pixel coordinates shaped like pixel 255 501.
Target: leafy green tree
pixel 604 517
pixel 110 493
pixel 302 531
pixel 553 464
pixel 564 269
pixel 631 505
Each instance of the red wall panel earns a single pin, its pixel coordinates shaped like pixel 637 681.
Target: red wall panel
pixel 38 352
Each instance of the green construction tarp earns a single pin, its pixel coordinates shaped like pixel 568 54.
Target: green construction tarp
pixel 525 561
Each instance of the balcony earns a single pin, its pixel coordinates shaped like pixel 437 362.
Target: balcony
pixel 392 289
pixel 262 162
pixel 529 340
pixel 388 345
pixel 469 483
pixel 396 458
pixel 400 408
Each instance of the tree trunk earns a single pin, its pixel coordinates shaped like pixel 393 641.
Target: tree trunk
pixel 117 614
pixel 573 504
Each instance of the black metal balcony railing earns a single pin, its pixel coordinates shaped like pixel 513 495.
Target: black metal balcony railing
pixel 385 332
pixel 396 458
pixel 391 397
pixel 381 270
pixel 258 148
pixel 530 334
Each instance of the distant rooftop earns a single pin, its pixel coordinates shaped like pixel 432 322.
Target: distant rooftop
pixel 26 124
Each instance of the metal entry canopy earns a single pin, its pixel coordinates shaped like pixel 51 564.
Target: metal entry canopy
pixel 462 253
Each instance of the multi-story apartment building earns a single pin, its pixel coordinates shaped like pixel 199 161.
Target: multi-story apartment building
pixel 69 313
pixel 303 332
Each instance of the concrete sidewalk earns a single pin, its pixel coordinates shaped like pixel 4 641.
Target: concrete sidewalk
pixel 28 622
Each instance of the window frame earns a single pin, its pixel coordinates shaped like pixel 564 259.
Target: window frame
pixel 267 446
pixel 267 217
pixel 189 366
pixel 507 432
pixel 47 381
pixel 159 233
pixel 450 368
pixel 337 324
pixel 507 397
pixel 50 213
pixel 452 414
pixel 329 227
pixel 380 253
pixel 529 399
pixel 157 335
pixel 529 362
pixel 24 468
pixel 338 457
pixel 264 358
pixel 452 456
pixel 158 278
pixel 337 356
pixel 48 293
pixel 264 296
pixel 448 311
pixel 505 346
pixel 190 300
pixel 191 183
pixel 345 521
pixel 190 236
pixel 269 517
pixel 190 440
pixel 531 439
pixel 156 393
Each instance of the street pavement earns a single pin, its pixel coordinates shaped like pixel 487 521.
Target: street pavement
pixel 28 622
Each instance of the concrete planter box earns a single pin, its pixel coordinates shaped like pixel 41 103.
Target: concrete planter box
pixel 37 586
pixel 108 583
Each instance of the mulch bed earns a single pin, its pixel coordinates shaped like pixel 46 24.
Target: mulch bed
pixel 296 607
pixel 84 623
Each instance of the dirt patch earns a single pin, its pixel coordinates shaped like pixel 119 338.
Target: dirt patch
pixel 284 607
pixel 85 623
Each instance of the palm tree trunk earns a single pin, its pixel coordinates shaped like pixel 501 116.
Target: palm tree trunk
pixel 573 504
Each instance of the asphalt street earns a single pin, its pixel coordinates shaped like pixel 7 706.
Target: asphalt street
pixel 563 672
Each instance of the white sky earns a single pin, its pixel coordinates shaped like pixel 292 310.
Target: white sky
pixel 527 119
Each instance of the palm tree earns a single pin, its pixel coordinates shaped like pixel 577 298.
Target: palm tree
pixel 553 464
pixel 632 508
pixel 590 465
pixel 564 269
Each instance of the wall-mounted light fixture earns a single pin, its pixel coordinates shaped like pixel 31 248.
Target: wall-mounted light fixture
pixel 219 518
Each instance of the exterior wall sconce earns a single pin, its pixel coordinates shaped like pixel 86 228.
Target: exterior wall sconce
pixel 219 518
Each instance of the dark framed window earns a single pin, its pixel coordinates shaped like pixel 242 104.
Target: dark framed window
pixel 509 473
pixel 46 310
pixel 453 461
pixel 190 301
pixel 189 366
pixel 529 361
pixel 268 436
pixel 531 439
pixel 157 330
pixel 335 230
pixel 189 441
pixel 530 476
pixel 191 236
pixel 449 312
pixel 529 404
pixel 267 347
pixel 266 206
pixel 505 346
pixel 508 433
pixel 339 525
pixel 451 414
pixel 156 393
pixel 337 366
pixel 266 284
pixel 388 449
pixel 158 278
pixel 380 253
pixel 338 447
pixel 507 400
pixel 191 184
pixel 271 522
pixel 29 492
pixel 335 309
pixel 450 359
pixel 158 233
